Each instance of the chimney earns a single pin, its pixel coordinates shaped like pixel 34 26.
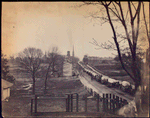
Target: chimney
pixel 73 52
pixel 68 53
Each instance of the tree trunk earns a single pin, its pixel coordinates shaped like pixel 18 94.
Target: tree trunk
pixel 137 83
pixel 33 89
pixel 46 78
pixel 136 73
pixel 45 85
pixel 136 87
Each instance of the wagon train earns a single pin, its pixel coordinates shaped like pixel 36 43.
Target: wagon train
pixel 103 79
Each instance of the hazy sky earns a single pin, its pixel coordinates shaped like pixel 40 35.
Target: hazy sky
pixel 46 24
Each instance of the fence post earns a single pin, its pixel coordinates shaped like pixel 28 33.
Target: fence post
pixel 98 102
pixel 121 103
pixel 117 102
pixel 110 102
pixel 126 101
pixel 86 104
pixel 114 103
pixel 77 98
pixel 104 102
pixel 68 103
pixel 91 92
pixel 35 104
pixel 31 106
pixel 71 102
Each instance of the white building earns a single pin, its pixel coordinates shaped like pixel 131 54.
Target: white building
pixel 5 90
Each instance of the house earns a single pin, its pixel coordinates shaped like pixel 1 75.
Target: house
pixel 5 90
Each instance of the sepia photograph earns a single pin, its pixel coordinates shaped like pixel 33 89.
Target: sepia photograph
pixel 75 59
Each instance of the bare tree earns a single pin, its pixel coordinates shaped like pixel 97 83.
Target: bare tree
pixel 129 18
pixel 54 62
pixel 29 61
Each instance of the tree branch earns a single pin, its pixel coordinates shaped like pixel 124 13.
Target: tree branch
pixel 126 29
pixel 116 15
pixel 116 9
pixel 137 11
pixel 117 45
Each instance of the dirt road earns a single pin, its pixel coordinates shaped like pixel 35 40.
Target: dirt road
pixel 100 88
pixel 96 86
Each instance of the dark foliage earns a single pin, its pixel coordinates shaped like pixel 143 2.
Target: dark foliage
pixel 5 74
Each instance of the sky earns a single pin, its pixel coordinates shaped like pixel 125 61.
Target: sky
pixel 47 24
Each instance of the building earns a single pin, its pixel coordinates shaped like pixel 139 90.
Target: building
pixel 100 60
pixel 5 90
pixel 70 63
pixel 85 59
pixel 68 53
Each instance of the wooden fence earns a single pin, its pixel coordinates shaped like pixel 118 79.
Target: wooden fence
pixel 110 103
